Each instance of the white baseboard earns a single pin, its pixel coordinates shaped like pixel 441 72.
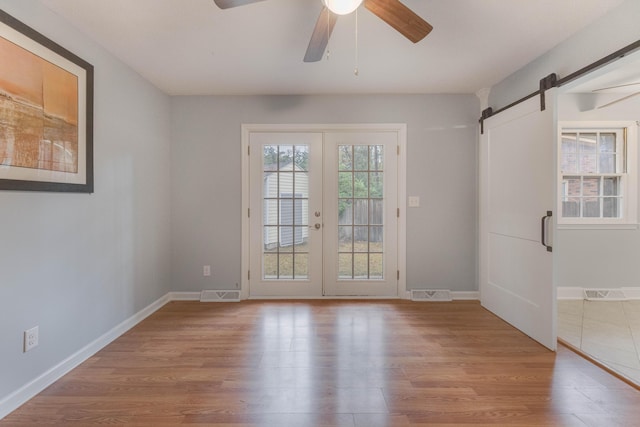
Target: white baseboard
pixel 632 293
pixel 465 296
pixel 13 401
pixel 184 296
pixel 566 292
pixel 456 295
pixel 577 293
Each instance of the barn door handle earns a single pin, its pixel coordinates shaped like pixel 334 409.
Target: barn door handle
pixel 543 231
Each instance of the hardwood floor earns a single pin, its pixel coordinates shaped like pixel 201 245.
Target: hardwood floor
pixel 331 363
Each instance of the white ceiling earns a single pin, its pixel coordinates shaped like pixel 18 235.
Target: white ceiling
pixel 190 47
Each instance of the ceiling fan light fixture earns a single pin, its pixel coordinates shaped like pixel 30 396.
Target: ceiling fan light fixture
pixel 342 7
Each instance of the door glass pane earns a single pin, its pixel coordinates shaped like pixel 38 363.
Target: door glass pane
pixel 285 266
pixel 301 185
pixel 270 265
pixel 301 216
pixel 286 210
pixel 376 237
pixel 301 158
pixel 361 185
pixel 375 184
pixel 361 157
pixel 286 239
pixel 375 211
pixel 285 156
pixel 361 239
pixel 361 266
pixel 345 211
pixel 345 184
pixel 285 213
pixel 270 157
pixel 345 239
pixel 285 184
pixel 301 266
pixel 345 156
pixel 376 158
pixel 360 212
pixel 345 266
pixel 375 266
pixel 270 211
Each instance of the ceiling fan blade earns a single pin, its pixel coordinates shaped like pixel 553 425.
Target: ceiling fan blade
pixel 320 37
pixel 226 4
pixel 615 87
pixel 400 17
pixel 619 100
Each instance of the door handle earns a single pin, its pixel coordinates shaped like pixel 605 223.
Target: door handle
pixel 543 231
pixel 316 226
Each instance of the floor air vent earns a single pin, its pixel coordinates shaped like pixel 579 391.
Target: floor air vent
pixel 604 295
pixel 220 296
pixel 431 295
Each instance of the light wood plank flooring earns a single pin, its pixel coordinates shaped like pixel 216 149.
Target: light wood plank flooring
pixel 331 363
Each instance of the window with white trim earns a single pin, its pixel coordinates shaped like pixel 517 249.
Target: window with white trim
pixel 597 179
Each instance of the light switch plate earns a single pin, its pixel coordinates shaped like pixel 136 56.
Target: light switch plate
pixel 414 201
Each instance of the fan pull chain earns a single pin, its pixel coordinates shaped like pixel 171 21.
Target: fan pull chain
pixel 328 29
pixel 355 71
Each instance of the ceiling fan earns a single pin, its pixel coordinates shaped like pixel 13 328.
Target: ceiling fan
pixel 633 94
pixel 393 12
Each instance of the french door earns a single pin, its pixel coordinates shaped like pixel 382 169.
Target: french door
pixel 360 237
pixel 323 214
pixel 285 214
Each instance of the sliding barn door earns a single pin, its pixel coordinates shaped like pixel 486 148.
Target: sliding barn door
pixel 517 176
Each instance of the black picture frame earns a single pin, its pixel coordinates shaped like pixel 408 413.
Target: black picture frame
pixel 75 172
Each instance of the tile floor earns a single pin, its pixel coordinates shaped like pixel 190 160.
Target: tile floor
pixel 608 331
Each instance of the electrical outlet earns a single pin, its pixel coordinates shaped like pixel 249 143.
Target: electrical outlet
pixel 206 270
pixel 30 338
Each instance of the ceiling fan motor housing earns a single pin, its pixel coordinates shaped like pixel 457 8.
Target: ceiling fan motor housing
pixel 342 7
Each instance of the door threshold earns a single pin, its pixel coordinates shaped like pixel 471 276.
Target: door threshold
pixel 598 363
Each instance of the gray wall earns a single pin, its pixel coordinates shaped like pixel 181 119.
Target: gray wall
pixel 206 215
pixel 77 265
pixel 613 31
pixel 597 258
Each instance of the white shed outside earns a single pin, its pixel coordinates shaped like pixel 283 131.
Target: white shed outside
pixel 286 207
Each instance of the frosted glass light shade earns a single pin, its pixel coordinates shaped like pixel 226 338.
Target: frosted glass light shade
pixel 342 7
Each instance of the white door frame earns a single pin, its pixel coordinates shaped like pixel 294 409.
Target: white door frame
pixel 401 130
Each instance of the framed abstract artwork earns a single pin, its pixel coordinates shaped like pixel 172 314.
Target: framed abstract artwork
pixel 46 113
